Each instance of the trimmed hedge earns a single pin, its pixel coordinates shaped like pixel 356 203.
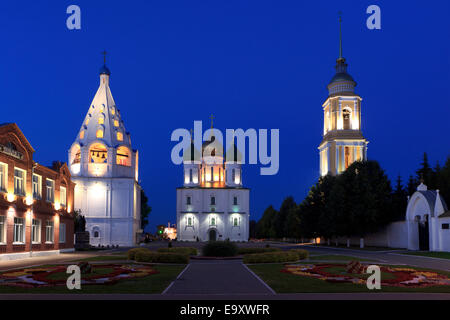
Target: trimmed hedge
pixel 220 249
pixel 257 250
pixel 190 251
pixel 132 252
pixel 161 257
pixel 302 254
pixel 272 257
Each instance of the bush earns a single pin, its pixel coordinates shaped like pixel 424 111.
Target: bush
pixel 220 249
pixel 190 251
pixel 302 254
pixel 257 250
pixel 132 252
pixel 272 257
pixel 161 257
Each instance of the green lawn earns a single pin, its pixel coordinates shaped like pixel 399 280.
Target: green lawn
pixel 104 258
pixel 155 283
pixel 289 283
pixel 441 255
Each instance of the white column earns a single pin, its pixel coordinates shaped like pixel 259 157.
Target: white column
pixel 328 159
pixel 355 153
pixel 337 158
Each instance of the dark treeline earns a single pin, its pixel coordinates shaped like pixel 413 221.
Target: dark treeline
pixel 355 203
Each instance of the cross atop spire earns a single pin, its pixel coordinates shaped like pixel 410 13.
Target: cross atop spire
pixel 212 120
pixel 104 53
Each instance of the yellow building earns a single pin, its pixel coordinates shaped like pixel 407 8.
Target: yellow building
pixel 343 142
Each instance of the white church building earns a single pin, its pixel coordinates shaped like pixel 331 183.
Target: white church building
pixel 428 221
pixel 105 169
pixel 212 204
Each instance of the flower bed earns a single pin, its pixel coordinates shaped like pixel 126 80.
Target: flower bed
pixel 395 277
pixel 57 276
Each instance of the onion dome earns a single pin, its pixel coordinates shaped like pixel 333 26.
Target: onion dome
pixel 209 148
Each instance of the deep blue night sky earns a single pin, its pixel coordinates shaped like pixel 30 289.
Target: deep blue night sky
pixel 254 64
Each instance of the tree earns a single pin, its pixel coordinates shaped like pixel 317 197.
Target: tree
pixel 425 172
pixel 252 229
pixel 292 224
pixel 314 218
pixel 265 226
pixel 443 181
pixel 411 186
pixel 362 196
pixel 145 210
pixel 399 201
pixel 281 218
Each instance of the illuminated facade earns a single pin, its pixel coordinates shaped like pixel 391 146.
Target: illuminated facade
pixel 36 202
pixel 212 204
pixel 105 169
pixel 343 142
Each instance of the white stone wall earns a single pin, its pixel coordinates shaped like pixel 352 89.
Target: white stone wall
pixel 201 211
pixel 111 207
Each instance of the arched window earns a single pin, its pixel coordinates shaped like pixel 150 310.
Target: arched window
pixel 82 134
pixel 96 232
pixel 213 221
pixel 98 153
pixel 119 136
pixel 99 133
pixel 235 222
pixel 213 201
pixel 235 201
pixel 113 111
pixel 101 119
pixel 75 154
pixel 347 119
pixel 116 123
pixel 123 157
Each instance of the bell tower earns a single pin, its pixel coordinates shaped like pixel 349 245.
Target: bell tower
pixel 343 142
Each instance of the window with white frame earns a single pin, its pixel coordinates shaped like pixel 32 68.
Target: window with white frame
pixel 235 222
pixel 2 229
pixel 188 201
pixel 189 221
pixel 235 201
pixel 50 185
pixel 63 196
pixel 3 175
pixel 49 232
pixel 36 231
pixel 19 182
pixel 62 233
pixel 213 201
pixel 19 228
pixel 212 222
pixel 37 187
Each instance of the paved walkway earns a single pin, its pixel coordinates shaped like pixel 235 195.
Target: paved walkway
pixel 52 259
pixel 217 278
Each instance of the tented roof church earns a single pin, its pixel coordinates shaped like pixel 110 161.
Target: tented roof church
pixel 104 167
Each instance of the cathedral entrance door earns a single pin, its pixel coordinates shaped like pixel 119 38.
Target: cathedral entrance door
pixel 212 235
pixel 424 238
